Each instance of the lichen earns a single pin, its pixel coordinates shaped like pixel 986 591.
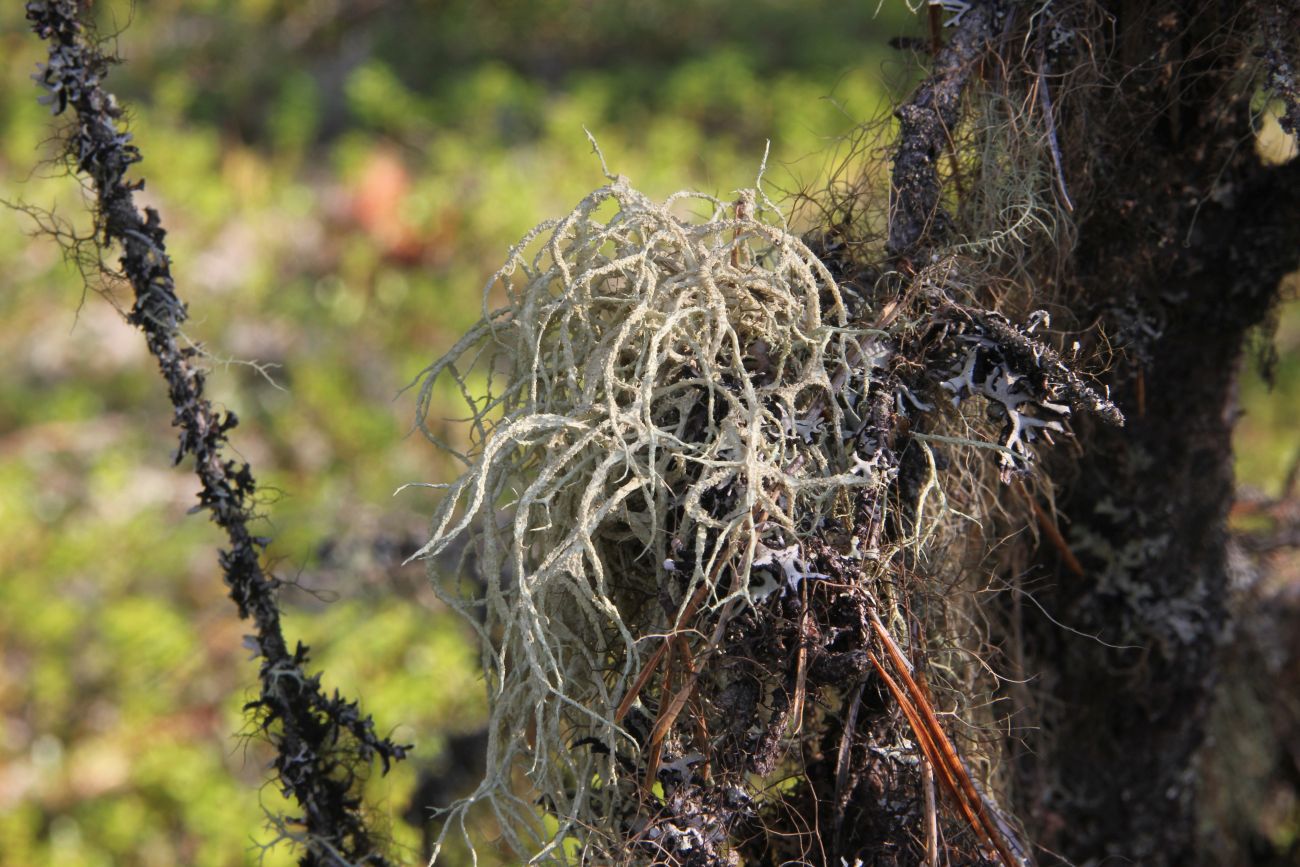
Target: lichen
pixel 673 405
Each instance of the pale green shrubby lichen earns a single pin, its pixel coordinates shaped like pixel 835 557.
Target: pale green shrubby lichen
pixel 670 402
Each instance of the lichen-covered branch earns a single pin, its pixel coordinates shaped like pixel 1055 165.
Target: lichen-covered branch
pixel 323 742
pixel 926 122
pixel 1055 377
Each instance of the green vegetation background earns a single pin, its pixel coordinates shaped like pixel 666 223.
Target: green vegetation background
pixel 338 179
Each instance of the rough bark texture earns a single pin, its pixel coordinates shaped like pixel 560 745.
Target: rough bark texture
pixel 1183 235
pixel 1281 21
pixel 1180 256
pixel 926 125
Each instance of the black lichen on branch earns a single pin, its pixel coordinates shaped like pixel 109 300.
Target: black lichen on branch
pixel 324 744
pixel 1037 360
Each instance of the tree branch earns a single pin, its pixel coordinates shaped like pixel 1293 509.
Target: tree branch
pixel 925 125
pixel 323 743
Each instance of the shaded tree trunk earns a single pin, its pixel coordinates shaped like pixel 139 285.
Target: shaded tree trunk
pixel 1180 255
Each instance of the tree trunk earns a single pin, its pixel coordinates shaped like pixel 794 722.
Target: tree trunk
pixel 1180 254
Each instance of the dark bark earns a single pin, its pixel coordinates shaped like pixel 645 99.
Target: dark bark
pixel 1183 235
pixel 1180 256
pixel 1148 517
pixel 926 125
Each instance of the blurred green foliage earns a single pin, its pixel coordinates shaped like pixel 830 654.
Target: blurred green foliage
pixel 1267 440
pixel 338 179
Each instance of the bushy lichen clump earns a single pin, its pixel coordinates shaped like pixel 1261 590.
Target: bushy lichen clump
pixel 670 405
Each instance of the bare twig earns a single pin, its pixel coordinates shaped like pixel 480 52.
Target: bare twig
pixel 1049 118
pixel 1048 524
pixel 934 742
